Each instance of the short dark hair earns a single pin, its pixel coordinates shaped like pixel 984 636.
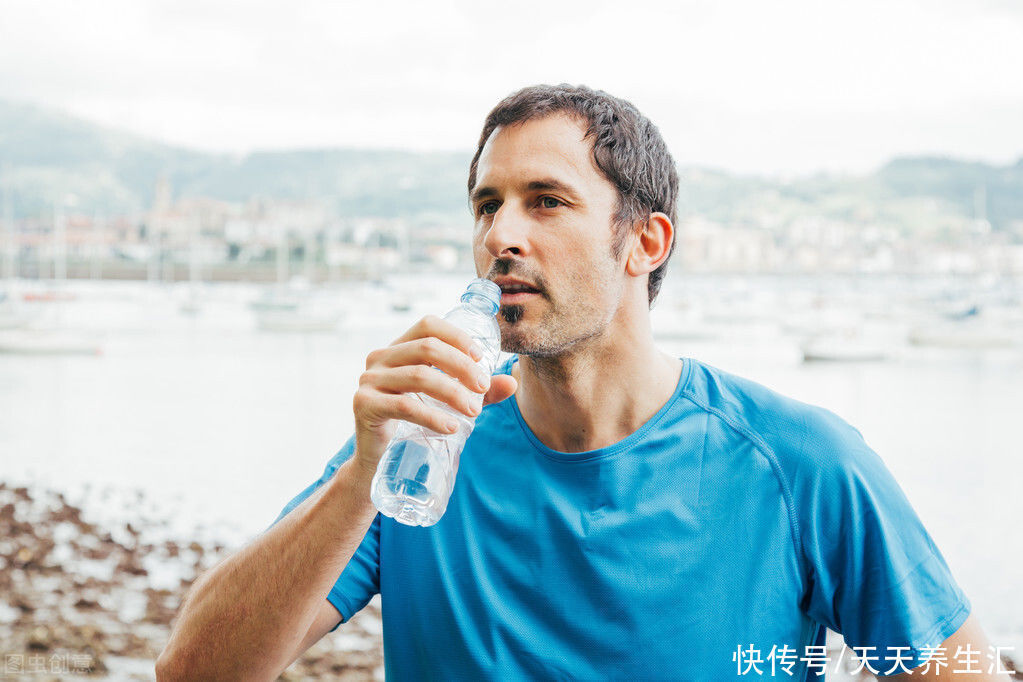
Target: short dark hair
pixel 627 148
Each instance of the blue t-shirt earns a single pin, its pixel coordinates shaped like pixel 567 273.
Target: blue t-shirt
pixel 733 523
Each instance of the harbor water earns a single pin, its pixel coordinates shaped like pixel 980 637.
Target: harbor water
pixel 223 420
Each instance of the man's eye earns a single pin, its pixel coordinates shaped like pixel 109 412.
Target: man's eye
pixel 550 202
pixel 489 208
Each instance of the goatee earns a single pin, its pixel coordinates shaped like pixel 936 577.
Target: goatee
pixel 511 313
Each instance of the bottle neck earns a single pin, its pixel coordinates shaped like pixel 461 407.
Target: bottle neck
pixel 480 303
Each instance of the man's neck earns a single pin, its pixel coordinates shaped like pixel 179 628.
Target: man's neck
pixel 596 395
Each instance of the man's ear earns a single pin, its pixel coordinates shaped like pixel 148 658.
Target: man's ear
pixel 651 244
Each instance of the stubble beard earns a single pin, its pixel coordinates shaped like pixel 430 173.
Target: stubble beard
pixel 522 338
pixel 556 331
pixel 546 337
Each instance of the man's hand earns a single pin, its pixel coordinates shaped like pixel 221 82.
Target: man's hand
pixel 393 374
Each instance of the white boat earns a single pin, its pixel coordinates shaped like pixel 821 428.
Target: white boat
pixel 843 348
pixel 964 335
pixel 47 342
pixel 276 301
pixel 401 303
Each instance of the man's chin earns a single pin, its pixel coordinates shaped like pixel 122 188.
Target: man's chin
pixel 522 341
pixel 516 340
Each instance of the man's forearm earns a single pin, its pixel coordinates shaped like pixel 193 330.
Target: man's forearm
pixel 245 618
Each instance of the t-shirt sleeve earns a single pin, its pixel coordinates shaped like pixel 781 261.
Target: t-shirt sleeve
pixel 876 575
pixel 360 579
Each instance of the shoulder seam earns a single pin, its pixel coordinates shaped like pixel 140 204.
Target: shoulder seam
pixel 768 454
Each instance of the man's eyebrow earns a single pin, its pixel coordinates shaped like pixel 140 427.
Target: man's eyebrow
pixel 482 193
pixel 552 185
pixel 544 185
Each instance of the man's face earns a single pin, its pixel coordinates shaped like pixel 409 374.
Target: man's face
pixel 543 228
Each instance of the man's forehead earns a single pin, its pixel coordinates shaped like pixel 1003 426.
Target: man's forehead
pixel 563 125
pixel 541 146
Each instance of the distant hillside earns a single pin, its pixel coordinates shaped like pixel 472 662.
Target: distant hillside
pixel 50 155
pixel 355 182
pixel 47 155
pixel 997 191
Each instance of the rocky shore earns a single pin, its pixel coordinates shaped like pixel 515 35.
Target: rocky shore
pixel 95 599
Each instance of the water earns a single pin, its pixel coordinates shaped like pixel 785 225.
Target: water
pixel 225 424
pixel 416 473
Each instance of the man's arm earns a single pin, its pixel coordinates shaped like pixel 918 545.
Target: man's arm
pixel 327 618
pixel 257 611
pixel 969 633
pixel 252 615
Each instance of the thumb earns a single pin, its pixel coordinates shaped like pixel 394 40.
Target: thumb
pixel 501 386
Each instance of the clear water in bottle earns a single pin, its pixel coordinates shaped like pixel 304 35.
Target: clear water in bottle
pixel 416 473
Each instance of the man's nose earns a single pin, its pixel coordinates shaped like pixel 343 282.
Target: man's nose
pixel 507 234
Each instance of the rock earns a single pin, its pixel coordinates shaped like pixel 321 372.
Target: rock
pixel 1015 665
pixel 157 610
pixel 86 604
pixel 138 647
pixel 96 664
pixel 20 601
pixel 99 553
pixel 130 566
pixel 40 638
pixel 24 557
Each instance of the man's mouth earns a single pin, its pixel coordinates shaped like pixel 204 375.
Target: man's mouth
pixel 517 293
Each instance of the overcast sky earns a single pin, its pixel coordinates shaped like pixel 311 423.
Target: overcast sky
pixel 780 86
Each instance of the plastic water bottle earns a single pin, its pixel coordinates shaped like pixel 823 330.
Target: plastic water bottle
pixel 416 473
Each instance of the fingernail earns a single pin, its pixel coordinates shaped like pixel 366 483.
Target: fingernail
pixel 476 352
pixel 482 378
pixel 452 425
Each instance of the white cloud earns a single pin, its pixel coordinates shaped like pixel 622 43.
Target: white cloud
pixel 786 86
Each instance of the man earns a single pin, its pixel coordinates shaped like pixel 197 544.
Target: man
pixel 626 514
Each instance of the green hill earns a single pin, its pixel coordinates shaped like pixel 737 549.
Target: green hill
pixel 45 156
